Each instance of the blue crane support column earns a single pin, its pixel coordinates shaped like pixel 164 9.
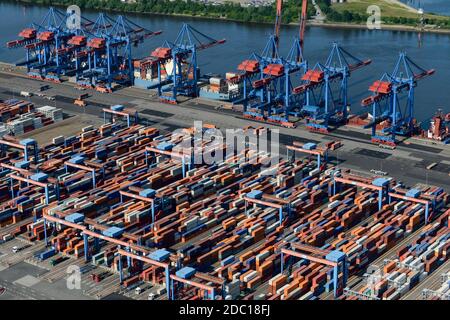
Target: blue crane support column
pixel 86 247
pixel 120 269
pixel 341 259
pixel 256 195
pixel 45 232
pixel 384 184
pixel 12 187
pixel 128 259
pixel 47 196
pixel 168 287
pixel 150 193
pixel 30 142
pixel 39 177
pixel 96 243
pixel 413 195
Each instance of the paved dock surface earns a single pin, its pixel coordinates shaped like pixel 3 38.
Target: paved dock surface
pixel 27 278
pixel 407 163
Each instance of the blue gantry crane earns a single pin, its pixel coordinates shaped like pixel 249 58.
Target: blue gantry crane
pixel 97 53
pixel 267 79
pixel 108 52
pixel 270 98
pixel 177 64
pixel 48 47
pixel 326 89
pixel 392 101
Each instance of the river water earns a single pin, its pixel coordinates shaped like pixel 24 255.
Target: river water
pixel 381 46
pixel 432 6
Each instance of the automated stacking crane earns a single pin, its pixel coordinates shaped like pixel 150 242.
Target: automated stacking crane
pixel 108 52
pixel 50 45
pixel 336 260
pixel 326 89
pixel 178 61
pixel 270 97
pixel 392 100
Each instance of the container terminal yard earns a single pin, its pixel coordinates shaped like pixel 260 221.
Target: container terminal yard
pixel 97 173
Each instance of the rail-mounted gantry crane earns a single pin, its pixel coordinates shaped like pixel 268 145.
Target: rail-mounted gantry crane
pixel 326 89
pixel 177 62
pixel 267 79
pixel 392 101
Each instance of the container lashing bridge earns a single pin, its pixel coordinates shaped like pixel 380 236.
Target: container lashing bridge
pixel 177 62
pixel 325 89
pixel 387 105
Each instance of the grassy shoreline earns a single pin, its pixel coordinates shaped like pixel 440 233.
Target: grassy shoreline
pixel 387 27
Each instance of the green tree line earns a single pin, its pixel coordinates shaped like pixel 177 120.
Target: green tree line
pixel 228 10
pixel 232 10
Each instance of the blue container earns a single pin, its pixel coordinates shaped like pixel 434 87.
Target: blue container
pixel 380 182
pixel 113 232
pixel 22 164
pixel 148 193
pixel 117 107
pixel 255 194
pixel 101 154
pixel 39 177
pixel 250 262
pixel 185 273
pixel 75 217
pixel 159 255
pixel 227 260
pixel 309 146
pixel 165 146
pixel 47 254
pixel 76 159
pixel 413 193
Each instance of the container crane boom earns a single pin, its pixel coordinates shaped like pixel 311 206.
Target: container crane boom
pixel 278 22
pixel 303 18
